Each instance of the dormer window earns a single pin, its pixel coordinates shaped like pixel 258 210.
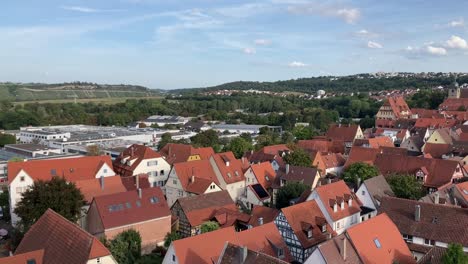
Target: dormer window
pixel 342 205
pixel 309 233
pixel 350 202
pixel 22 179
pixel 324 228
pixel 280 253
pixel 335 207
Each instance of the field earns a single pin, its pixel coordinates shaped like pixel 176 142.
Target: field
pixel 112 100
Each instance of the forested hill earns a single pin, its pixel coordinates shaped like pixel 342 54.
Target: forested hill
pixel 65 91
pixel 352 83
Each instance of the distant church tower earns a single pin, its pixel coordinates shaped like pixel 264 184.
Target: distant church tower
pixel 454 91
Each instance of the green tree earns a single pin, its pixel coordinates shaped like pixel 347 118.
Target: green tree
pixel 301 132
pixel 165 139
pixel 359 170
pixel 5 204
pixel 57 194
pixel 126 247
pixel 16 159
pixel 173 236
pixel 239 146
pixel 209 226
pixel 455 255
pixel 287 137
pixel 291 190
pixel 7 139
pixel 298 157
pixel 208 138
pixel 406 186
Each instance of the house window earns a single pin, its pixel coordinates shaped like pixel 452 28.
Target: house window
pixel 22 179
pixel 309 233
pixel 19 190
pixel 174 181
pixel 337 225
pixel 152 163
pixel 173 258
pixel 429 242
pixel 363 192
pixel 280 253
pixel 408 238
pixel 105 170
pixel 324 228
pixel 161 172
pixel 98 260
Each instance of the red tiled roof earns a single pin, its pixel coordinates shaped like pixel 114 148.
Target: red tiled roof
pixel 376 142
pixel 264 173
pixel 202 172
pixel 361 154
pixel 307 213
pixel 268 215
pixel 36 255
pixel 332 251
pixel 463 189
pixel 268 153
pixel 437 150
pixel 130 209
pixel 72 169
pixel 398 105
pixel 454 104
pixel 130 183
pixel 437 222
pixel 229 167
pixel 435 122
pixel 196 250
pixel 335 193
pixel 346 133
pixel 134 152
pixel 92 188
pixel 379 239
pixel 333 160
pixel 425 113
pixel 62 241
pixel 175 153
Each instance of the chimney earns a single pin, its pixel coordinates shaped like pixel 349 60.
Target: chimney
pixel 137 181
pixel 358 182
pixel 436 198
pixel 260 221
pixel 343 250
pixel 287 168
pixel 102 182
pixel 192 179
pixel 417 213
pixel 139 193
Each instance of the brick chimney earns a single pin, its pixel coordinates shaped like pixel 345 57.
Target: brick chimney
pixel 436 198
pixel 417 213
pixel 102 182
pixel 343 249
pixel 287 168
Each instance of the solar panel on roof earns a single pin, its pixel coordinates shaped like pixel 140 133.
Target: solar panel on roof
pixel 260 191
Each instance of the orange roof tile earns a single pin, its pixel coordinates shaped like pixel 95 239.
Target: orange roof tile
pixel 398 105
pixel 372 242
pixel 267 214
pixel 333 160
pixel 435 122
pixel 463 189
pixel 264 173
pixel 175 153
pixel 61 240
pixel 126 208
pixel 335 193
pixel 134 152
pixel 202 172
pixel 72 169
pixel 92 188
pixel 342 132
pixel 437 150
pixel 229 167
pixel 376 142
pixel 36 255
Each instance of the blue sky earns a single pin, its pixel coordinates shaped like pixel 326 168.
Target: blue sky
pixel 194 43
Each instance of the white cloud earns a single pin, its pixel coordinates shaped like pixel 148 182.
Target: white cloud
pixel 456 42
pixel 374 45
pixel 366 34
pixel 457 23
pixel 249 51
pixel 297 64
pixel 262 42
pixel 81 9
pixel 439 51
pixel 349 15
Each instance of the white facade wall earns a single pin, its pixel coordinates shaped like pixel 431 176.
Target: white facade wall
pixel 103 260
pixel 171 257
pixel 315 258
pixel 364 196
pixel 158 174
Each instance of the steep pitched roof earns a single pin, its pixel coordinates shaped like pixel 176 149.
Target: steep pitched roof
pixel 375 142
pixel 433 256
pixel 453 104
pixel 264 173
pixel 435 122
pixel 463 189
pixel 342 132
pixel 373 242
pixel 196 250
pixel 61 240
pixel 37 256
pixel 304 216
pixel 72 169
pixel 378 187
pixel 268 153
pixel 436 221
pixel 128 208
pixel 233 254
pixel 267 214
pixel 202 172
pixel 136 153
pixel 229 167
pixel 306 175
pixel 175 153
pixel 130 183
pixel 399 106
pixel 437 150
pixel 439 171
pixel 334 193
pixel 93 187
pixel 333 251
pixel 333 160
pixel 361 154
pixel 322 144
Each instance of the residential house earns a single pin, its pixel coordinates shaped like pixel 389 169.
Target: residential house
pixel 427 224
pixel 414 144
pixel 333 163
pixel 261 215
pixel 322 144
pixel 445 196
pixel 303 226
pixel 437 151
pixel 374 241
pixel 209 247
pixel 145 211
pixel 259 179
pixel 191 178
pixel 233 254
pixel 339 205
pixel 435 123
pixel 175 153
pixel 433 173
pixel 376 142
pixel 371 191
pixel 21 175
pixel 193 211
pixel 61 241
pixel 230 173
pixel 273 154
pixel 32 257
pixel 461 194
pixel 392 109
pixel 139 159
pixel 345 133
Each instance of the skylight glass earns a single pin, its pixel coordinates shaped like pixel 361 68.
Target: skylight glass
pixel 377 243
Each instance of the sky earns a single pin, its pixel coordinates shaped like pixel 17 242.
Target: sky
pixel 169 44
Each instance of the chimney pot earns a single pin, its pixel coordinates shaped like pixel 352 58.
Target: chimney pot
pixel 139 193
pixel 260 221
pixel 436 198
pixel 417 213
pixel 344 249
pixel 287 168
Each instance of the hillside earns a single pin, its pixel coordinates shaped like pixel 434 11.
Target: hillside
pixel 66 91
pixel 352 83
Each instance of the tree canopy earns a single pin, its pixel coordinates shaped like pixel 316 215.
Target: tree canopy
pixel 298 157
pixel 209 226
pixel 406 186
pixel 286 193
pixel 239 146
pixel 455 255
pixel 125 247
pixel 173 236
pixel 7 139
pixel 57 194
pixel 359 170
